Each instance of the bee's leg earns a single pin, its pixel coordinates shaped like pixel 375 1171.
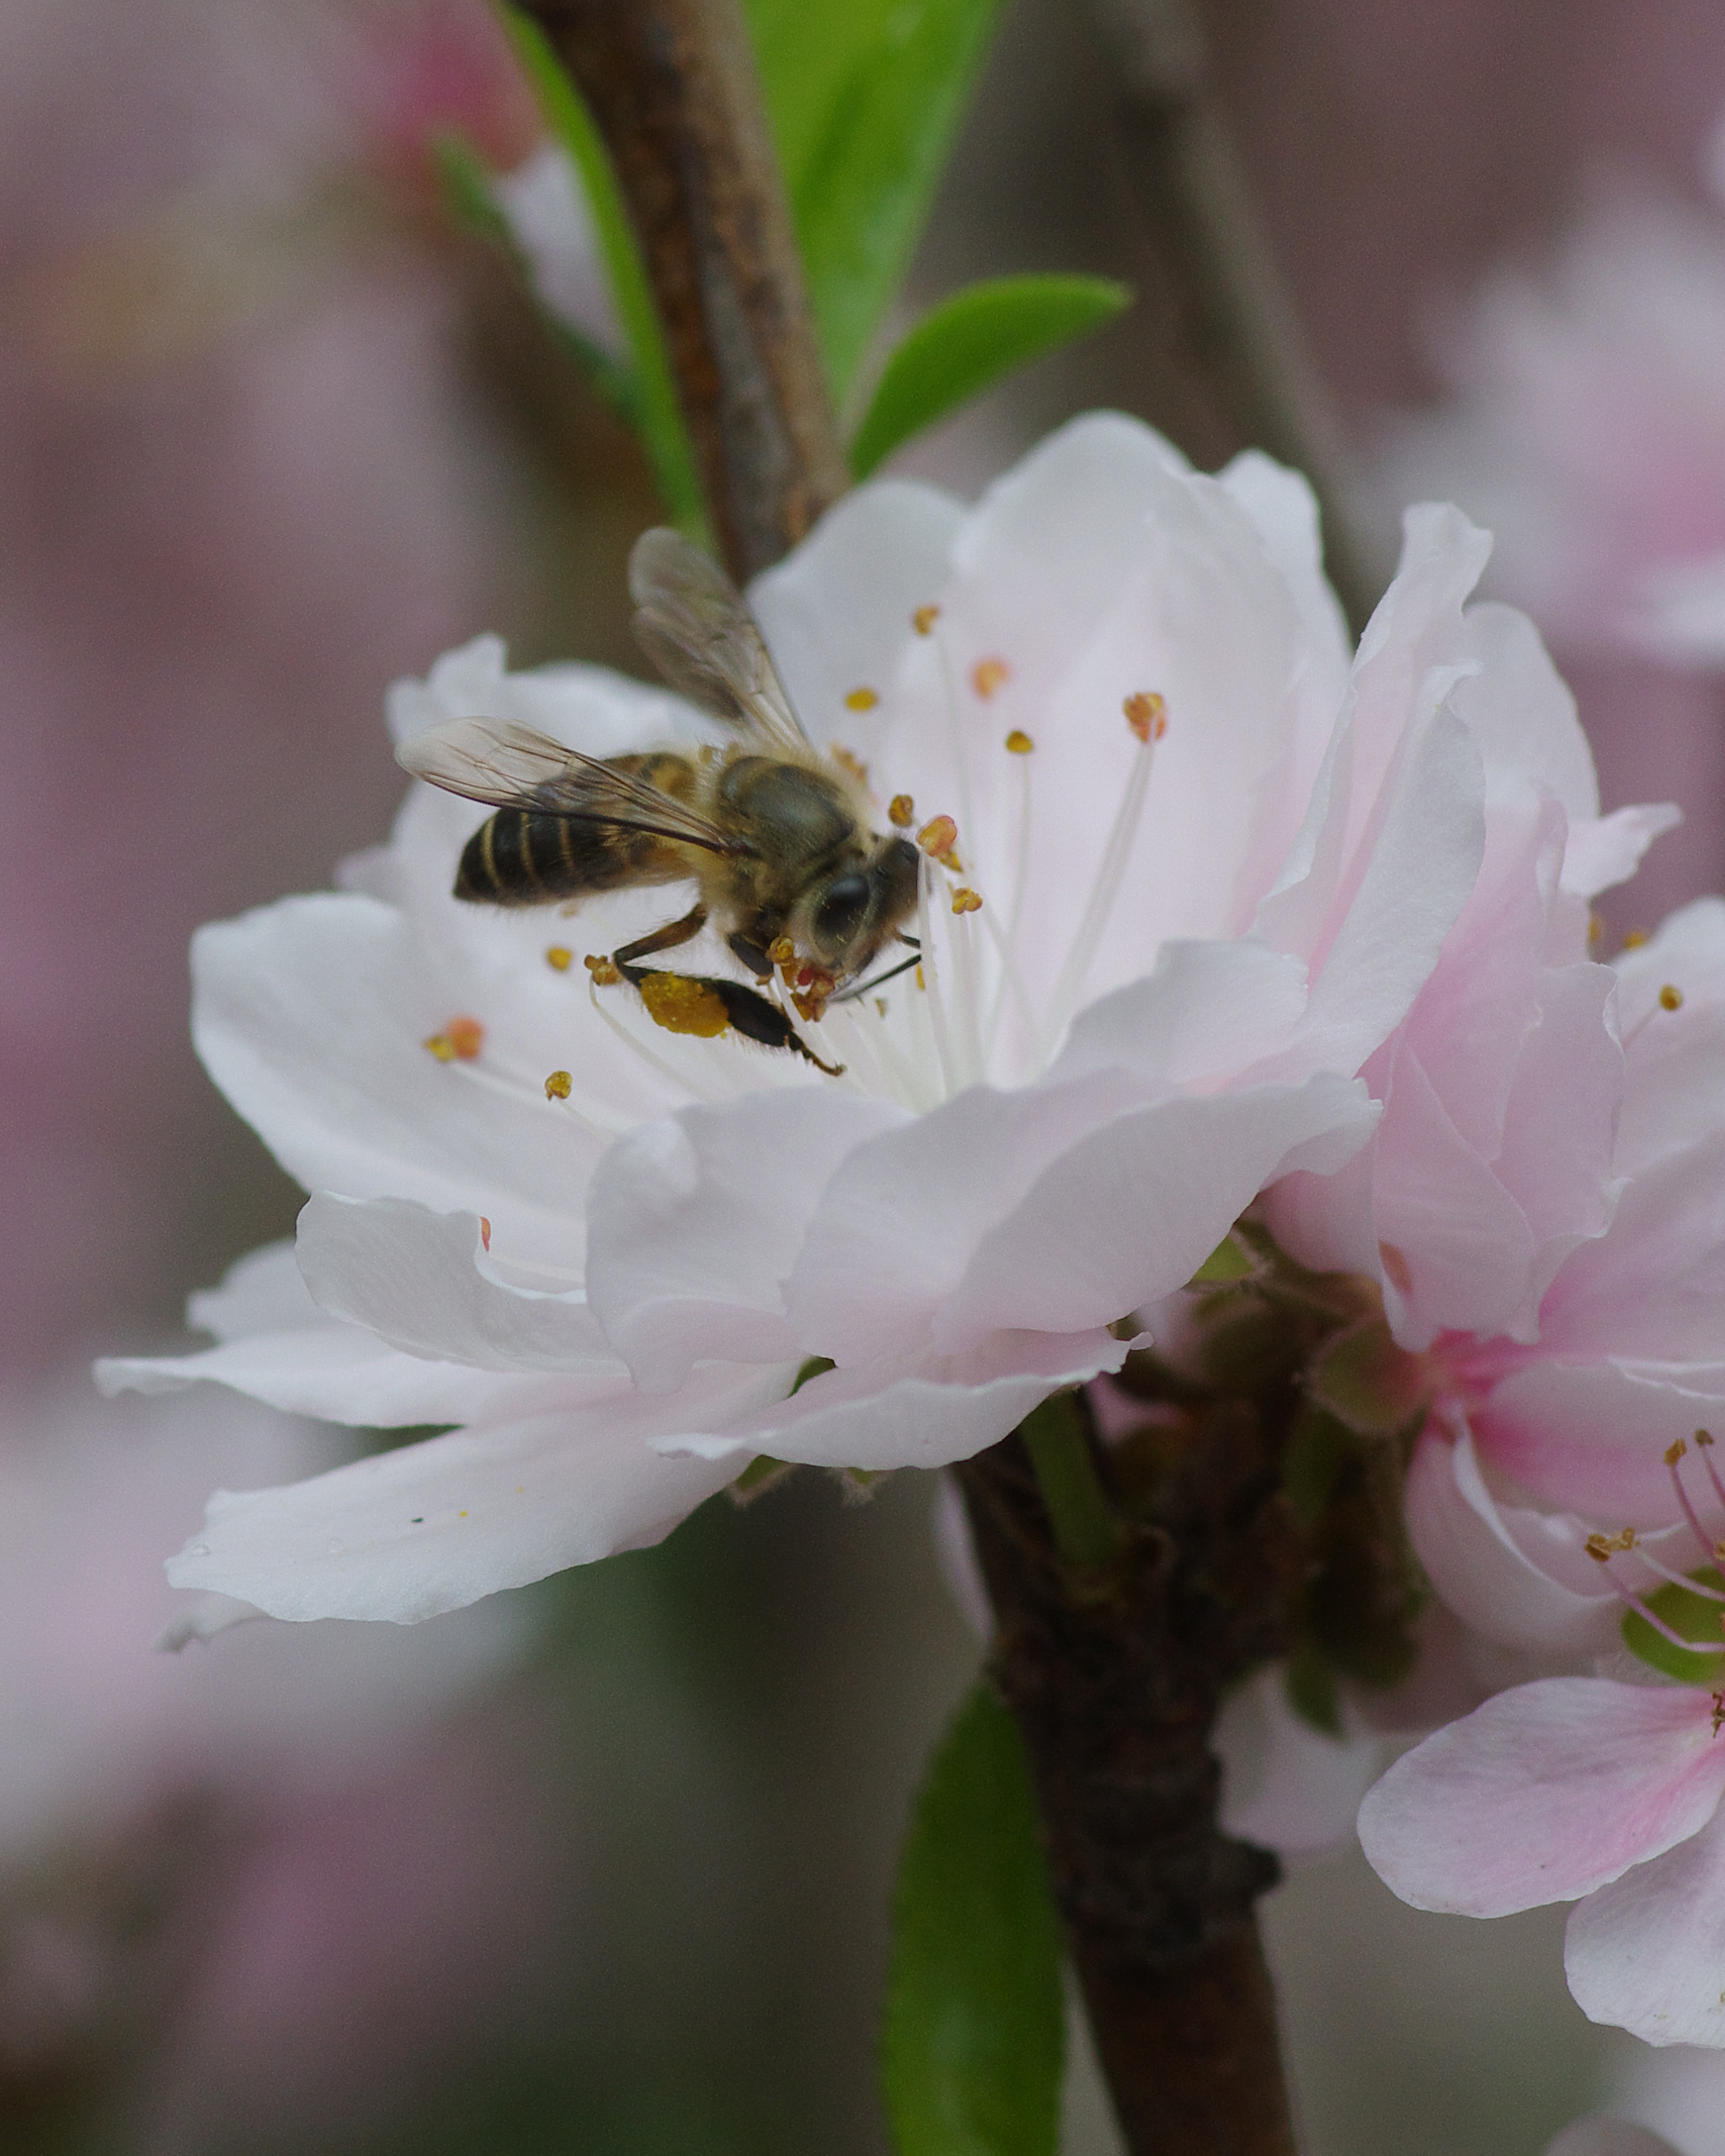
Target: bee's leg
pixel 757 1020
pixel 674 932
pixel 751 955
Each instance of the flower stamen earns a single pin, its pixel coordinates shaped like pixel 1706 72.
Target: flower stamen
pixel 1145 715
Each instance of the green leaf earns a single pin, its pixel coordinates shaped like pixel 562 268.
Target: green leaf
pixel 865 97
pixel 1692 1617
pixel 649 388
pixel 974 2034
pixel 971 341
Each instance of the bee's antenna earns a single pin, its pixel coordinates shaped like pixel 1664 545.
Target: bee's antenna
pixel 879 980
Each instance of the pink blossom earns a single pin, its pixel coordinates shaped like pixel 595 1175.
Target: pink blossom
pixel 1576 1789
pixel 1587 428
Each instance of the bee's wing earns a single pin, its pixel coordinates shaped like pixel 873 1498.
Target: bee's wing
pixel 507 766
pixel 692 624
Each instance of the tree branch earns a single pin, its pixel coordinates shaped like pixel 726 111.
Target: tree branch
pixel 672 88
pixel 1115 1678
pixel 1242 328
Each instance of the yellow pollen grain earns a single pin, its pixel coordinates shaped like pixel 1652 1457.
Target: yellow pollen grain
pixel 782 950
pixel 680 1003
pixel 901 812
pixel 442 1046
pixel 1146 714
pixel 966 901
pixel 604 971
pixel 1634 940
pixel 988 675
pixel 1019 743
pixel 862 698
pixel 939 835
pixel 559 957
pixel 559 1085
pixel 1670 999
pixel 924 619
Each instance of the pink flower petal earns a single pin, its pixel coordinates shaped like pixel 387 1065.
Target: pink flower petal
pixel 1544 1794
pixel 1648 1953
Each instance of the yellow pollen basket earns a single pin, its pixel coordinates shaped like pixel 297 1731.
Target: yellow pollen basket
pixel 681 1005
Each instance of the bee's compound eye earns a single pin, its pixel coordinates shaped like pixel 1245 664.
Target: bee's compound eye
pixel 841 911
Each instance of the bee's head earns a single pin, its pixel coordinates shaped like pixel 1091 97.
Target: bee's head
pixel 852 914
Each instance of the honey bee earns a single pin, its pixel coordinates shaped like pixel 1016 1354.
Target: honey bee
pixel 776 837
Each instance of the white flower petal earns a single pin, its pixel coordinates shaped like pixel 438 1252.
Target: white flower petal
pixel 264 1291
pixel 836 611
pixel 416 1278
pixel 311 1016
pixel 434 1525
pixel 901 1413
pixel 1127 1214
pixel 695 1222
pixel 337 1373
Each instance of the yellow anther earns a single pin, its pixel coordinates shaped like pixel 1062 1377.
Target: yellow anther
pixel 1146 714
pixel 1675 1451
pixel 989 675
pixel 901 812
pixel 924 619
pixel 811 1005
pixel 1634 940
pixel 1599 1549
pixel 1019 743
pixel 939 835
pixel 1704 1436
pixel 862 698
pixel 604 971
pixel 965 900
pixel 559 957
pixel 462 1039
pixel 1670 999
pixel 782 950
pixel 485 1231
pixel 559 1085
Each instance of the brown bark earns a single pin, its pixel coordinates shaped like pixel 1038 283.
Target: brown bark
pixel 1240 327
pixel 672 88
pixel 1114 1679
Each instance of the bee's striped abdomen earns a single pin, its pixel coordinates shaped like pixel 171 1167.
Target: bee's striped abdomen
pixel 525 857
